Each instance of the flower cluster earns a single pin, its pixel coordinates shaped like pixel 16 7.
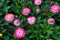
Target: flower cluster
pixel 26 11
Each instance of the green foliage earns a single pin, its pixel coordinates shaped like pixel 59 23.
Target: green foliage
pixel 39 31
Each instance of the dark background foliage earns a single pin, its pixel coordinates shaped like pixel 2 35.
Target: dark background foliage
pixel 41 30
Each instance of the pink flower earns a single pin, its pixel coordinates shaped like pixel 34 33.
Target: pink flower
pixel 17 22
pixel 19 33
pixel 51 21
pixel 37 2
pixel 54 8
pixel 9 17
pixel 26 11
pixel 31 20
pixel 37 10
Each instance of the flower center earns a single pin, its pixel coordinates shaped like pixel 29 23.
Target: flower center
pixel 51 21
pixel 9 15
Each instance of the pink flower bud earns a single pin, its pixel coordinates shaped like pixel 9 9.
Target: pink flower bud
pixel 26 11
pixel 19 33
pixel 46 11
pixel 16 16
pixel 51 21
pixel 37 2
pixel 51 2
pixel 54 8
pixel 9 17
pixel 17 22
pixel 31 20
pixel 37 10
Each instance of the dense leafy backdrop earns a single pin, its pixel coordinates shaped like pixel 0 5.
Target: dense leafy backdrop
pixel 41 30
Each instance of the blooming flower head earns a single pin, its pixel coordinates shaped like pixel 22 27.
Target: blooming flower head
pixel 51 21
pixel 37 2
pixel 17 22
pixel 54 8
pixel 26 11
pixel 19 33
pixel 37 10
pixel 31 20
pixel 9 17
